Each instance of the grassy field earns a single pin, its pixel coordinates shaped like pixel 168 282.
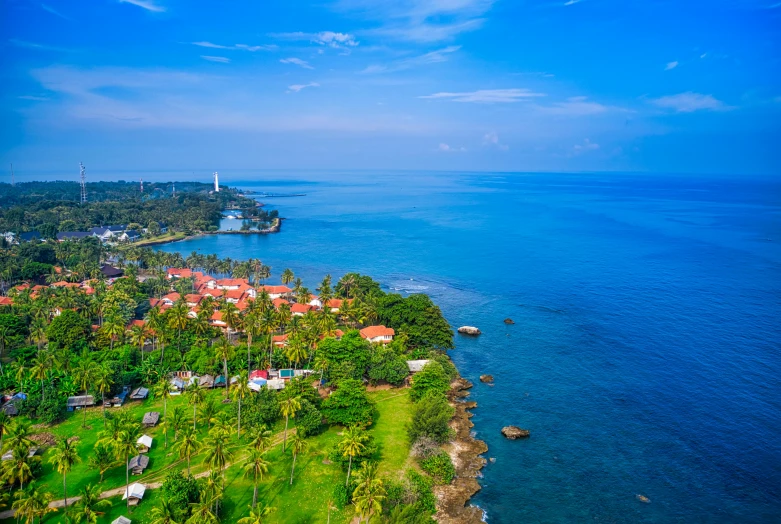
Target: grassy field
pixel 306 500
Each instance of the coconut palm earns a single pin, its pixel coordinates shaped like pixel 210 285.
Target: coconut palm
pixel 178 421
pixel 195 395
pixel 240 390
pixel 269 322
pixel 114 327
pixel 254 468
pixel 101 459
pixel 163 390
pixel 19 467
pixel 288 407
pixel 253 329
pixel 297 444
pixel 370 492
pixel 256 515
pixel 17 434
pixel 223 350
pixel 261 440
pixel 178 319
pixel 5 423
pixel 84 375
pixel 39 370
pixel 202 512
pixel 125 446
pixel 231 317
pixel 188 445
pixel 351 445
pixel 207 410
pixel 166 512
pixel 91 506
pixel 139 335
pixel 217 453
pixel 287 276
pixel 38 331
pixel 103 380
pixel 296 350
pixel 63 456
pixel 32 503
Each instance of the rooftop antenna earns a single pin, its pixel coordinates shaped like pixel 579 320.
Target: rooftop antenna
pixel 13 182
pixel 83 183
pixel 216 182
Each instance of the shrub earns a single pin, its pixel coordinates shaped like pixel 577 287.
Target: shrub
pixel 420 486
pixel 440 467
pixel 349 405
pixel 424 447
pixel 341 496
pixel 386 365
pixel 309 420
pixel 181 491
pixel 431 379
pixel 430 418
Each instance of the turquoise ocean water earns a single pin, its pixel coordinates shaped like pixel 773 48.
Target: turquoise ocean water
pixel 646 353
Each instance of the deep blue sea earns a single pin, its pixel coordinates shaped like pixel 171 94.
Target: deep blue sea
pixel 646 352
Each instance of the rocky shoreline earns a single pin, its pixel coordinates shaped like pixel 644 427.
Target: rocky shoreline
pixel 464 451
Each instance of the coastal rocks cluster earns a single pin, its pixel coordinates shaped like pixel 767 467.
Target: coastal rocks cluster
pixel 469 330
pixel 486 379
pixel 508 321
pixel 465 453
pixel 514 432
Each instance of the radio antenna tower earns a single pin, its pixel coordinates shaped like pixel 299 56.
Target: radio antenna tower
pixel 13 182
pixel 173 188
pixel 142 185
pixel 83 183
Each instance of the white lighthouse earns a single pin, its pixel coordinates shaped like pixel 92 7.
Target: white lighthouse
pixel 216 182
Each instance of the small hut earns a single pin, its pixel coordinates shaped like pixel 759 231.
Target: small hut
pixel 134 494
pixel 121 520
pixel 143 443
pixel 151 419
pixel 138 464
pixel 80 401
pixel 139 394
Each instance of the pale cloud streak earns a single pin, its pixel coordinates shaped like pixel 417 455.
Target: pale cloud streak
pixel 295 88
pixel 33 45
pixel 690 102
pixel 574 106
pixel 585 147
pixel 53 11
pixel 324 38
pixel 218 59
pixel 571 2
pixel 432 57
pixel 487 96
pixel 492 139
pixel 236 47
pixel 444 148
pixel 297 61
pixel 144 4
pixel 671 65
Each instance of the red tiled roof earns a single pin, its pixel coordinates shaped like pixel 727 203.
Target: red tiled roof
pixel 217 315
pixel 279 339
pixel 38 287
pixel 275 290
pixel 258 373
pixel 203 279
pixel 180 272
pixel 300 308
pixel 5 301
pixel 232 281
pixel 65 284
pixel 22 287
pixel 89 291
pixel 136 322
pixel 193 298
pixel 173 297
pixel 235 294
pixel 154 301
pixel 377 331
pixel 216 293
pixel 241 305
pixel 335 303
pixel 279 301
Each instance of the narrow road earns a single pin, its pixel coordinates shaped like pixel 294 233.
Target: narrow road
pixel 7 514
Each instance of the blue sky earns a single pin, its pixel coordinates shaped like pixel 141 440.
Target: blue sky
pixel 572 85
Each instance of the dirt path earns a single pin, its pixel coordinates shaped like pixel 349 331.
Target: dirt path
pixel 7 514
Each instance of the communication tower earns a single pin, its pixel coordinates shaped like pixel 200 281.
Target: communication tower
pixel 216 182
pixel 142 185
pixel 83 183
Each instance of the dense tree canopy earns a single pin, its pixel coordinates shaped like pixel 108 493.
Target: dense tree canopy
pixel 349 405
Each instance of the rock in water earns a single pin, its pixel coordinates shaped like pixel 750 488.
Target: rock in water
pixel 469 330
pixel 514 432
pixel 486 378
pixel 508 321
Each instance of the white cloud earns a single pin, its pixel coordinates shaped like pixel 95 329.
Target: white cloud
pixel 432 57
pixel 444 148
pixel 703 55
pixel 689 102
pixel 144 4
pixel 33 45
pixel 574 106
pixel 295 88
pixel 671 65
pixel 585 147
pixel 297 61
pixel 53 11
pixel 33 97
pixel 420 20
pixel 572 2
pixel 326 38
pixel 219 59
pixel 240 47
pixel 492 139
pixel 487 96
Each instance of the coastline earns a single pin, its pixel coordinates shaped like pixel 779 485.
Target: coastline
pixel 273 229
pixel 465 451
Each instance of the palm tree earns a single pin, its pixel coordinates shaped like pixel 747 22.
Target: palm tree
pixel 5 423
pixel 217 452
pixel 38 331
pixel 261 440
pixel 231 317
pixel 369 493
pixel 139 335
pixel 166 512
pixel 255 467
pixel 287 276
pixel 91 506
pixel 114 327
pixel 163 390
pixel 188 445
pixel 40 370
pixel 18 434
pixel 19 467
pixel 195 394
pixel 296 351
pixel 352 445
pixel 178 319
pixel 178 421
pixel 125 446
pixel 240 390
pixel 202 512
pixel 297 444
pixel 63 456
pixel 223 350
pixel 288 407
pixel 252 328
pixel 101 459
pixel 268 324
pixel 103 382
pixel 31 503
pixel 84 375
pixel 331 507
pixel 207 410
pixel 256 515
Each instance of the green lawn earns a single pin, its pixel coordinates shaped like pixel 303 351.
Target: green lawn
pixel 305 501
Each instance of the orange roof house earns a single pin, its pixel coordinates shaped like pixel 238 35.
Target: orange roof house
pixel 176 272
pixel 379 334
pixel 300 309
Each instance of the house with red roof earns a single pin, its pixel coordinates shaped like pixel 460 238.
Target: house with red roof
pixel 136 323
pixel 276 291
pixel 279 340
pixel 178 272
pixel 300 310
pixel 5 301
pixel 214 293
pixel 171 298
pixel 378 334
pixel 335 304
pixel 193 299
pixel 258 373
pixel 205 280
pixel 231 283
pixel 278 302
pixel 217 321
